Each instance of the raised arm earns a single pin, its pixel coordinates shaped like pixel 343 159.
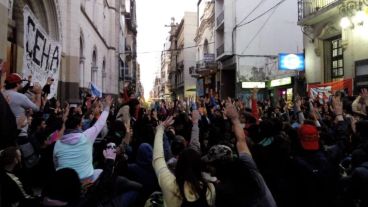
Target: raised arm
pixel 194 140
pixel 164 176
pixel 254 104
pixel 299 112
pixel 93 132
pixel 233 115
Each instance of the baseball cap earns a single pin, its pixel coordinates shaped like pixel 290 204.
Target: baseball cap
pixel 218 152
pixel 13 78
pixel 309 138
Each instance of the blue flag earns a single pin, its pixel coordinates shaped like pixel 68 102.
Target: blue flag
pixel 95 91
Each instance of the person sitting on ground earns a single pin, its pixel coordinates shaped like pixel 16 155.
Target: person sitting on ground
pixel 14 193
pixel 240 183
pixel 74 149
pixel 186 187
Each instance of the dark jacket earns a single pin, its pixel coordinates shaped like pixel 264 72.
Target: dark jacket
pixel 142 171
pixel 8 122
pixel 13 192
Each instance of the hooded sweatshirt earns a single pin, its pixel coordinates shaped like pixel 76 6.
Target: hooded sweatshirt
pixel 142 171
pixel 74 149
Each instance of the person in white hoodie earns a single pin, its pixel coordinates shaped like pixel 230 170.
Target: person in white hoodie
pixel 74 149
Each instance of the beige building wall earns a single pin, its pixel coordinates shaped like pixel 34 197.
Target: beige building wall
pixel 355 41
pixel 189 54
pixel 80 26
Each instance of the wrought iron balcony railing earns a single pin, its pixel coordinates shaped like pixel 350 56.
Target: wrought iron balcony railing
pixel 308 7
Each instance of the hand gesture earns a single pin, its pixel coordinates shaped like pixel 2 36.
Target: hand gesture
pixel 195 116
pixel 109 154
pixel 337 105
pixel 108 101
pixel 230 111
pixel 168 122
pixel 298 104
pixel 66 113
pixel 364 94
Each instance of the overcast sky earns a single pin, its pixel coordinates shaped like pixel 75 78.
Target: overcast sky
pixel 152 16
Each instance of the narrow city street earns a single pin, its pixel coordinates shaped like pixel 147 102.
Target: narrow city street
pixel 184 103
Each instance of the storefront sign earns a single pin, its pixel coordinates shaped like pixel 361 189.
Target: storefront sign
pixel 253 85
pixel 280 82
pixel 291 62
pixel 42 55
pixel 209 57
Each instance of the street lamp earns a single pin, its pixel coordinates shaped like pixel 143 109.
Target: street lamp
pixel 345 23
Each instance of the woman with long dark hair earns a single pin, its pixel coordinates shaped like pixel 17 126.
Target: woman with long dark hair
pixel 187 187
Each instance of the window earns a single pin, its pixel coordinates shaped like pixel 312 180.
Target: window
pixel 94 67
pixel 337 58
pixel 205 47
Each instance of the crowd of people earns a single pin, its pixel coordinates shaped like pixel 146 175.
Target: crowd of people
pixel 200 153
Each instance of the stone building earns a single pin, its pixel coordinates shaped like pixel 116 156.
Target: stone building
pixel 249 35
pixel 89 32
pixel 205 69
pixel 335 40
pixel 183 56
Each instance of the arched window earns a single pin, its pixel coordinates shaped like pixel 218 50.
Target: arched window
pixel 81 60
pixel 103 74
pixel 94 66
pixel 205 47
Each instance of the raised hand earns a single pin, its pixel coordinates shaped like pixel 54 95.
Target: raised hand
pixel 298 104
pixel 110 154
pixel 168 122
pixel 108 101
pixel 364 94
pixel 66 113
pixel 230 111
pixel 195 116
pixel 337 105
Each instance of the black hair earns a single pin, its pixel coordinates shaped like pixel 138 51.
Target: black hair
pixel 8 155
pixel 245 181
pixel 178 145
pixel 64 186
pixel 189 169
pixel 73 121
pixel 9 86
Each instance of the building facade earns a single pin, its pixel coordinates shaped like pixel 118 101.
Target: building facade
pixel 206 70
pixel 249 35
pixel 128 48
pixel 335 39
pixel 165 89
pixel 89 32
pixel 183 56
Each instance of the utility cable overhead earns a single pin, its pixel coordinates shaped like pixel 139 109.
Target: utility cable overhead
pixel 259 31
pixel 264 13
pixel 169 50
pixel 246 17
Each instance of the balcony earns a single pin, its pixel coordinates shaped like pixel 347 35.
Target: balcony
pixel 308 8
pixel 220 19
pixel 220 50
